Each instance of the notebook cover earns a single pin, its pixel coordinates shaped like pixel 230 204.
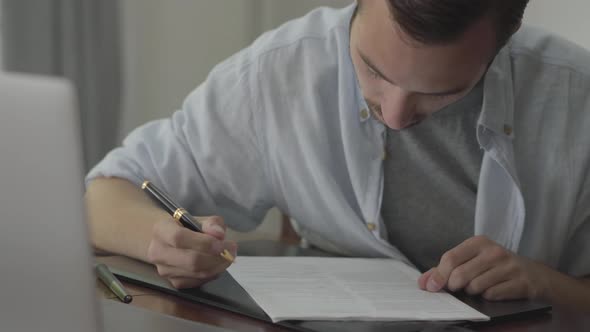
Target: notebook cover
pixel 120 317
pixel 225 293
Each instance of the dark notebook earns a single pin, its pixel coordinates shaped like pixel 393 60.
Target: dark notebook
pixel 119 317
pixel 226 293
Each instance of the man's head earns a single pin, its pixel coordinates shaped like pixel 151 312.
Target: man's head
pixel 414 57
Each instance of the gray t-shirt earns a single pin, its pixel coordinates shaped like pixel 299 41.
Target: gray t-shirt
pixel 431 176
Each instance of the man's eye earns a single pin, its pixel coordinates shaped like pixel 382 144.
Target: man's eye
pixel 441 97
pixel 373 73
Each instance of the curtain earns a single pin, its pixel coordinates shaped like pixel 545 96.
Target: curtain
pixel 76 39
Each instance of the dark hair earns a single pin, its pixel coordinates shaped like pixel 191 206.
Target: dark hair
pixel 443 21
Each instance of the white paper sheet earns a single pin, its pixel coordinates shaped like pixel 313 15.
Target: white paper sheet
pixel 326 288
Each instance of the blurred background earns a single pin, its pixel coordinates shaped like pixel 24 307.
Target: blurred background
pixel 136 60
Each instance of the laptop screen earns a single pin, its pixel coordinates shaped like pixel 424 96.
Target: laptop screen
pixel 46 280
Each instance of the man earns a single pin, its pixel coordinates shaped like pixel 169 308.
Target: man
pixel 395 127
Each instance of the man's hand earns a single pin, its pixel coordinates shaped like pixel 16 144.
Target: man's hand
pixel 186 258
pixel 481 266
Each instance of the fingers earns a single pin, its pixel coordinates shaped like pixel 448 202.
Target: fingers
pixel 185 268
pixel 490 278
pixel 232 247
pixel 424 279
pixel 517 278
pixel 452 259
pixel 174 235
pixel 488 259
pixel 481 266
pixel 188 282
pixel 508 290
pixel 187 258
pixel 170 272
pixel 213 226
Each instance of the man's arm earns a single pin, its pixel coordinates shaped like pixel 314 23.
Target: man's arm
pixel 208 156
pixel 125 221
pixel 121 217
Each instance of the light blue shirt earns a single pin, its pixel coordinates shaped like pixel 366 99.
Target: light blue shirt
pixel 283 123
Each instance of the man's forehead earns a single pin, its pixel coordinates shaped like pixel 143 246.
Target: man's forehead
pixel 422 67
pixel 452 88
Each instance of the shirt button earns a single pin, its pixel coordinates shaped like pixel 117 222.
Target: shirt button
pixel 364 114
pixel 507 130
pixel 384 155
pixel 371 226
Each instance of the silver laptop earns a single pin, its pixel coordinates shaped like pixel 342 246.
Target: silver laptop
pixel 46 277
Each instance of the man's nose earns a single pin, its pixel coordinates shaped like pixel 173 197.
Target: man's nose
pixel 398 109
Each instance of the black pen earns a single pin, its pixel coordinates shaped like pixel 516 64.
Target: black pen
pixel 109 279
pixel 177 212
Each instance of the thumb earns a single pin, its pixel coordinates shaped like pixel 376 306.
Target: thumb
pixel 423 280
pixel 213 226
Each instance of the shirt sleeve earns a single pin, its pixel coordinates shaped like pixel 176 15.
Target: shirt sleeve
pixel 576 257
pixel 206 155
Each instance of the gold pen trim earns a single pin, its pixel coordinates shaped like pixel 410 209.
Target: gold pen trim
pixel 145 184
pixel 225 254
pixel 228 257
pixel 179 213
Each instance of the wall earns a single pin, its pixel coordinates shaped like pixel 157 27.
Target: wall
pixel 170 46
pixel 568 18
pixel 274 12
pixel 169 49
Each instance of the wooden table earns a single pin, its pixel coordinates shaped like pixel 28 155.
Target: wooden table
pixel 557 320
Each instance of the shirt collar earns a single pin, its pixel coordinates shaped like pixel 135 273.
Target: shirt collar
pixel 362 108
pixel 497 112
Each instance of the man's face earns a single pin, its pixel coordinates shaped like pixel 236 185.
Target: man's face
pixel 405 81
